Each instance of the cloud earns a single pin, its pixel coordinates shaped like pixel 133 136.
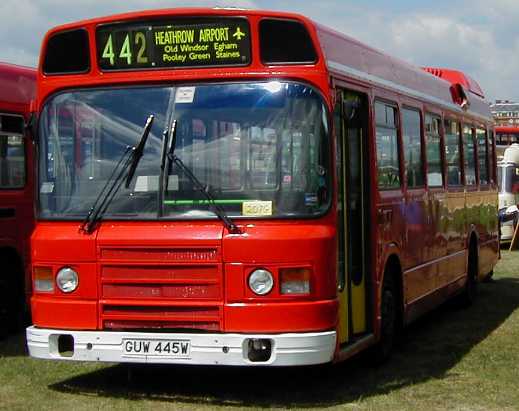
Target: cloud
pixel 450 41
pixel 483 42
pixel 25 22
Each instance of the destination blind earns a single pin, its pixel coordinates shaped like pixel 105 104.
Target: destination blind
pixel 206 42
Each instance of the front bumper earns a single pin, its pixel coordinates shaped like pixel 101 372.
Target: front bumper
pixel 206 349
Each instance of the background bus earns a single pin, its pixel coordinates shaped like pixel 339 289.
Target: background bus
pixel 17 87
pixel 505 136
pixel 336 214
pixel 508 182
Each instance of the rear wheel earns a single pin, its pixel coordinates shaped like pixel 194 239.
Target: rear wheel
pixel 488 277
pixel 469 294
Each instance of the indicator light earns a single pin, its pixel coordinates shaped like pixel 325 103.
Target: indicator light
pixel 295 280
pixel 43 279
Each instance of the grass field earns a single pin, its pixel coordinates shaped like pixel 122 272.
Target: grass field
pixel 452 359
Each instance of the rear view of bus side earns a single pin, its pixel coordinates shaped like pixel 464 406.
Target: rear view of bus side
pixel 17 87
pixel 289 200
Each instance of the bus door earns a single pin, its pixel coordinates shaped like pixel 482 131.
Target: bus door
pixel 351 121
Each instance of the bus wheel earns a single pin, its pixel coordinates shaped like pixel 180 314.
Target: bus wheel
pixel 469 293
pixel 4 307
pixel 12 303
pixel 381 351
pixel 488 277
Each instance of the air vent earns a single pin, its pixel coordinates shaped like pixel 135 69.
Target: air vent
pixel 457 77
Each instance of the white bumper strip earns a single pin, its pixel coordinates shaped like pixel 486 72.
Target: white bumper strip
pixel 206 349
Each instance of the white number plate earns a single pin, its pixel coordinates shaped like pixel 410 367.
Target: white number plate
pixel 162 348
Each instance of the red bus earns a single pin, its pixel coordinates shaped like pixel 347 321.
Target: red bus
pixel 506 136
pixel 17 87
pixel 214 192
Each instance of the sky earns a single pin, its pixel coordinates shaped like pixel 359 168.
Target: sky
pixel 479 37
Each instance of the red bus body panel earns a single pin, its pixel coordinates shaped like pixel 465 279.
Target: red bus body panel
pixel 17 90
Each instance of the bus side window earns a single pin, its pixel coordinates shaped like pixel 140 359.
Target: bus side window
pixel 262 158
pixel 452 152
pixel 433 144
pixel 413 151
pixel 491 155
pixel 481 137
pixel 12 161
pixel 469 156
pixel 387 146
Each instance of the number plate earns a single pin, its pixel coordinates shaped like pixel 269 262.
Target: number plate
pixel 162 348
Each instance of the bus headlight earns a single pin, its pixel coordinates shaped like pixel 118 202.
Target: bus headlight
pixel 261 282
pixel 67 280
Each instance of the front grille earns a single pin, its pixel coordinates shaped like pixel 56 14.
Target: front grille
pixel 161 317
pixel 161 289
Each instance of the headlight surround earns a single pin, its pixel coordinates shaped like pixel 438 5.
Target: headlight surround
pixel 67 280
pixel 261 281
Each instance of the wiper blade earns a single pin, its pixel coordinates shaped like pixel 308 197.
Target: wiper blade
pixel 139 150
pixel 165 165
pixel 204 189
pixel 107 193
pixel 219 211
pixel 125 167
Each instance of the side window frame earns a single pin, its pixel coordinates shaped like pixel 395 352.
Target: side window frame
pixel 438 117
pixel 7 132
pixel 474 154
pixel 397 129
pixel 481 130
pixel 459 145
pixel 422 147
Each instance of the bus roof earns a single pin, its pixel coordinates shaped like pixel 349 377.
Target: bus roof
pixel 17 87
pixel 507 129
pixel 348 56
pixel 340 55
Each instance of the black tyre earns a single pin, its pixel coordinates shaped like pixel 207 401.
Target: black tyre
pixel 470 292
pixel 488 278
pixel 12 305
pixel 381 351
pixel 4 307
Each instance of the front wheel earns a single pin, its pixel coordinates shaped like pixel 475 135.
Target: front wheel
pixel 381 351
pixel 4 308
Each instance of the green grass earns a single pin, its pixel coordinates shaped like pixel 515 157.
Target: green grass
pixel 452 359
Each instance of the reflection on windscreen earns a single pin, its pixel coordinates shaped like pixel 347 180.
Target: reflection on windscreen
pixel 262 149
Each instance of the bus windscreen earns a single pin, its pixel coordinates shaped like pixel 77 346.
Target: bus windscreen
pixel 203 42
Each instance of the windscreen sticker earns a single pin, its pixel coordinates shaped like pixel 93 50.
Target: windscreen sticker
pixel 311 199
pixel 145 184
pixel 47 188
pixel 185 95
pixel 257 208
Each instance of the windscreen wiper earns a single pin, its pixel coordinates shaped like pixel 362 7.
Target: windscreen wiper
pixel 204 189
pixel 126 166
pixel 164 167
pixel 138 150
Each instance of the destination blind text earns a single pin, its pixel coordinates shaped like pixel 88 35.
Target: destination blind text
pixel 174 46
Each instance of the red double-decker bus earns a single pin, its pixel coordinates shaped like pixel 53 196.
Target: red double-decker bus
pixel 506 136
pixel 17 87
pixel 249 188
